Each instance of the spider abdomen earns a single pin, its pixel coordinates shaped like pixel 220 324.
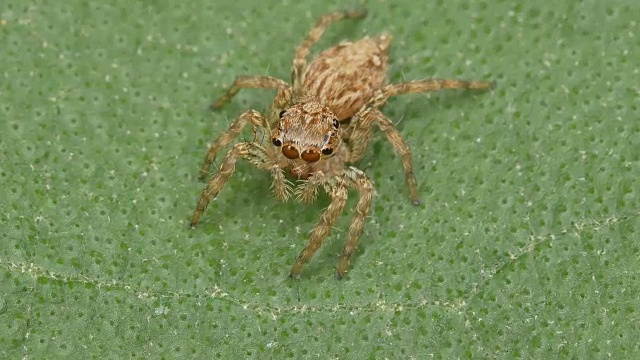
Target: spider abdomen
pixel 345 76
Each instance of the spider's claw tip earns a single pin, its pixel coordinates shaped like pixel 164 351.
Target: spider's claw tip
pixel 416 202
pixel 192 225
pixel 294 276
pixel 362 12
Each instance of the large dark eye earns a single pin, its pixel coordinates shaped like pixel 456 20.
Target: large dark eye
pixel 336 123
pixel 282 113
pixel 276 142
pixel 327 151
pixel 310 156
pixel 290 152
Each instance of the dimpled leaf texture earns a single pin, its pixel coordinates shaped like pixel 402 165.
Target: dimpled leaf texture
pixel 526 245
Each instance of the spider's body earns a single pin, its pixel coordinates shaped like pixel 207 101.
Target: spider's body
pixel 346 76
pixel 311 138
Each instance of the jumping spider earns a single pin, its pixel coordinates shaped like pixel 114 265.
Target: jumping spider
pixel 318 125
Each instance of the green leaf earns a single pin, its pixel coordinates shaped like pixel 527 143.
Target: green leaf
pixel 525 245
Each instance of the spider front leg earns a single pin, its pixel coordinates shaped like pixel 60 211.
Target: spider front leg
pixel 299 61
pixel 337 188
pixel 250 82
pixel 362 134
pixel 253 152
pixel 249 117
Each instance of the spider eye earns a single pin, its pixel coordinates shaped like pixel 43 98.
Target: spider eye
pixel 310 156
pixel 327 151
pixel 290 152
pixel 282 113
pixel 336 123
pixel 276 142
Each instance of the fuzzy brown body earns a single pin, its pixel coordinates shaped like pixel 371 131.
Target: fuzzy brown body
pixel 310 137
pixel 345 77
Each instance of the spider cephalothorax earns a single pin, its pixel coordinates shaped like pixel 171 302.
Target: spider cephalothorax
pixel 308 137
pixel 307 133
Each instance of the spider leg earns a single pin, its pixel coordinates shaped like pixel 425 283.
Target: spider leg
pixel 337 187
pixel 248 117
pixel 251 82
pixel 338 192
pixel 425 85
pixel 253 152
pixel 299 61
pixel 362 134
pixel 363 185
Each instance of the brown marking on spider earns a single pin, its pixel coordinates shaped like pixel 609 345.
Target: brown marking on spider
pixel 309 134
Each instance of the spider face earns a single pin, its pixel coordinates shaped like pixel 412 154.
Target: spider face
pixel 307 131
